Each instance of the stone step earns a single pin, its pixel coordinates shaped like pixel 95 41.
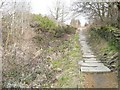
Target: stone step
pixel 89 56
pixel 82 39
pixel 86 50
pixel 90 59
pixel 88 64
pixel 84 46
pixel 83 42
pixel 95 69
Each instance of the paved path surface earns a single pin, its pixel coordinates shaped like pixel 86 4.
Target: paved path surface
pixel 89 62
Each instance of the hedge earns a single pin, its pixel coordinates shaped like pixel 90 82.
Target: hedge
pixel 110 34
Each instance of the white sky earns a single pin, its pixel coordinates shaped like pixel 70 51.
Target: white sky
pixel 43 7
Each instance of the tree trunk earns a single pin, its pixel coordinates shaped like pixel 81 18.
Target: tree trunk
pixel 99 12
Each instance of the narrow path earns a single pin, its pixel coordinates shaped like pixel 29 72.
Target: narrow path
pixel 96 74
pixel 89 63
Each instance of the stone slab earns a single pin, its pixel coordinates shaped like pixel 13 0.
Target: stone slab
pixel 87 52
pixel 84 44
pixel 90 59
pixel 89 56
pixel 92 64
pixel 85 47
pixel 95 69
pixel 80 62
pixel 82 37
pixel 82 41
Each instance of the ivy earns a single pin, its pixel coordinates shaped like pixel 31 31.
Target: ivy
pixel 110 34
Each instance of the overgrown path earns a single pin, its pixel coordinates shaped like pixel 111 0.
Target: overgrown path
pixel 96 74
pixel 89 63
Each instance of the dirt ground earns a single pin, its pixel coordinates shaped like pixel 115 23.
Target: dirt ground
pixel 100 80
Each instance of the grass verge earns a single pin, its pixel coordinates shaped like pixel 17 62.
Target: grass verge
pixel 69 75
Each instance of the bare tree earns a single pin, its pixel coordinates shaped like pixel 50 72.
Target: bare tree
pixel 15 22
pixel 59 12
pixel 105 12
pixel 3 3
pixel 56 10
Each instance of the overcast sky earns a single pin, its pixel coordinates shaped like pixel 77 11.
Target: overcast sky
pixel 43 7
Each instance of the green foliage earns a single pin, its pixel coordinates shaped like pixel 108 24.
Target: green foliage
pixel 45 22
pixel 61 30
pixel 105 45
pixel 47 25
pixel 68 29
pixel 110 34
